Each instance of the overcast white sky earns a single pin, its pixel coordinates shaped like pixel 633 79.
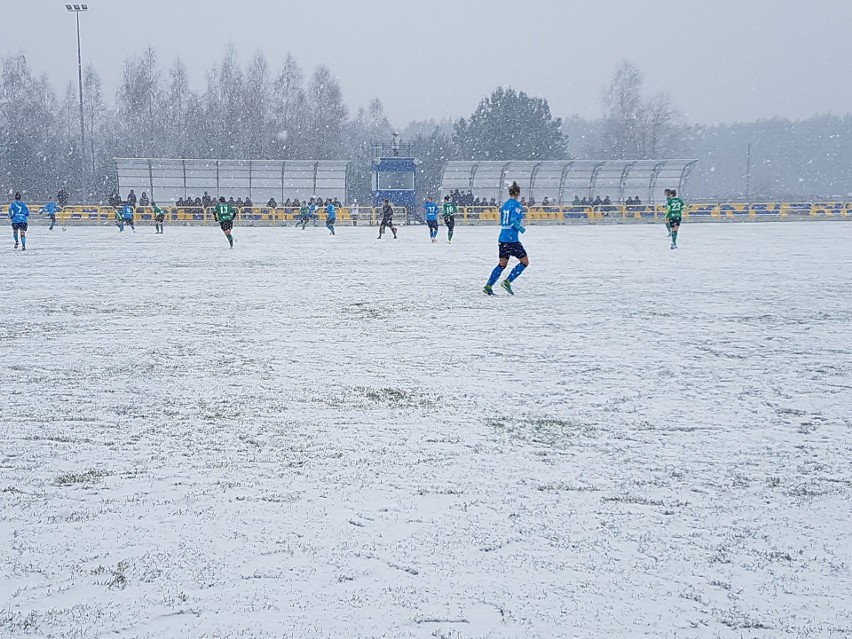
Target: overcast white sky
pixel 721 60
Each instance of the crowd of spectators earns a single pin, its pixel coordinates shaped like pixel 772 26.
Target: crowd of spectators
pixel 312 202
pixel 207 201
pixel 468 199
pixel 606 201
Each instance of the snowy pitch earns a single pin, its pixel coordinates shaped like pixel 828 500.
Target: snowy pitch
pixel 310 436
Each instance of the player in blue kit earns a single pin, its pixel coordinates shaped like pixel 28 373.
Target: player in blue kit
pixel 20 215
pixel 432 218
pixel 331 217
pixel 50 208
pixel 127 217
pixel 511 215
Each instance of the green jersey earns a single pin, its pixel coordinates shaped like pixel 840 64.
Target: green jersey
pixel 224 213
pixel 450 209
pixel 158 212
pixel 674 208
pixel 305 211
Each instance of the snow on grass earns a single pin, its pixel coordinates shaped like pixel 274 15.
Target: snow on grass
pixel 323 437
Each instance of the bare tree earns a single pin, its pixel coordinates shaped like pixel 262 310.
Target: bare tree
pixel 623 118
pixel 661 124
pixel 177 102
pixel 634 128
pixel 94 111
pixel 139 107
pixel 257 109
pixel 290 112
pixel 328 115
pixel 224 107
pixel 30 130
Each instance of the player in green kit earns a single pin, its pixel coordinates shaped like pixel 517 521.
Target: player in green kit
pixel 674 215
pixel 449 213
pixel 225 215
pixel 304 215
pixel 668 197
pixel 159 217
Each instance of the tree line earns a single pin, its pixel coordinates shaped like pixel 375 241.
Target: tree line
pixel 257 111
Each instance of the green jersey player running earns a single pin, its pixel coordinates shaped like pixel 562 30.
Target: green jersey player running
pixel 225 214
pixel 668 197
pixel 449 212
pixel 674 215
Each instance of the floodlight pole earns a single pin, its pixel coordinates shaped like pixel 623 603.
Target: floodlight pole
pixel 748 173
pixel 76 9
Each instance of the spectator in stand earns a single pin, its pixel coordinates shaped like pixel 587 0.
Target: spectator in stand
pixel 584 201
pixel 197 201
pixel 524 202
pixel 493 202
pixel 476 202
pixel 577 201
pixel 636 200
pixel 62 197
pixel 143 199
pixel 629 201
pixel 114 199
pixel 272 203
pixel 206 200
pixel 248 203
pixel 131 198
pixel 597 201
pixel 231 201
pixel 287 203
pixel 469 198
pixel 239 202
pixel 606 201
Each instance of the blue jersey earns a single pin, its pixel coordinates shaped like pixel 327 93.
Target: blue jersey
pixel 431 211
pixel 50 208
pixel 331 211
pixel 127 212
pixel 18 212
pixel 511 214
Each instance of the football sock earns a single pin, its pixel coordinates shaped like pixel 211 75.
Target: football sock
pixel 495 274
pixel 519 268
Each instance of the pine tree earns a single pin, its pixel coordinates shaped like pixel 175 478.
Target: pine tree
pixel 509 125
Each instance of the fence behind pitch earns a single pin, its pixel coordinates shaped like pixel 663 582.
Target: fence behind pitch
pixel 474 215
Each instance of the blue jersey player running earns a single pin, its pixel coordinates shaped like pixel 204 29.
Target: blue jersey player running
pixel 432 218
pixel 20 215
pixel 511 214
pixel 50 208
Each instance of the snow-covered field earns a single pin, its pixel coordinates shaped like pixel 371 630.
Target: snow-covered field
pixel 338 437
